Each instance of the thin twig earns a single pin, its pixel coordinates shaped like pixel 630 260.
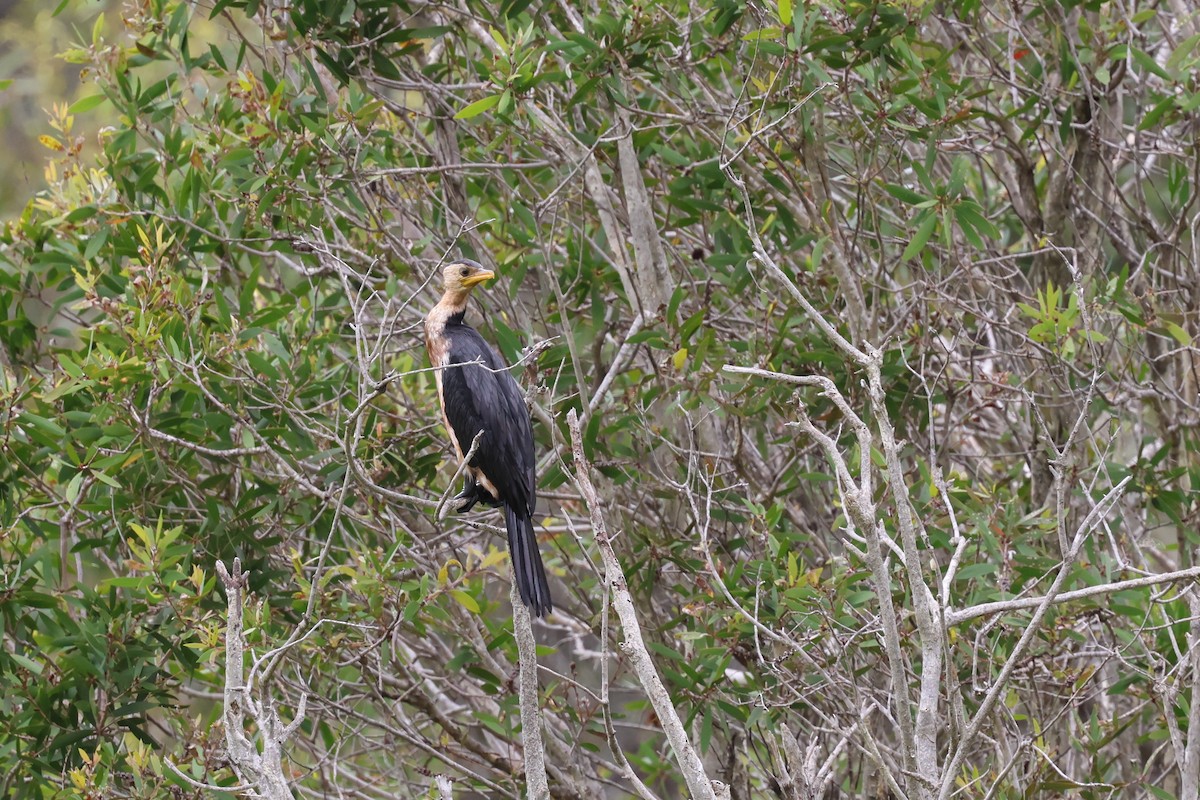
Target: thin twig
pixel 440 511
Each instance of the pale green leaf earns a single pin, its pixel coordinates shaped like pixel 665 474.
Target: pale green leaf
pixel 478 107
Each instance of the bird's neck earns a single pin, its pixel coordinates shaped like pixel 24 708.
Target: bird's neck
pixel 450 310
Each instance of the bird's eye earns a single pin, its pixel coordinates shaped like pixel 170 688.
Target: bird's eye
pixel 465 272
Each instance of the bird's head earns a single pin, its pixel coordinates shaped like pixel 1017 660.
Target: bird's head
pixel 462 274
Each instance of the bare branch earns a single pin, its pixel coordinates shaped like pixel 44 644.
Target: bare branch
pixel 634 646
pixel 262 770
pixel 1022 603
pixel 440 511
pixel 527 689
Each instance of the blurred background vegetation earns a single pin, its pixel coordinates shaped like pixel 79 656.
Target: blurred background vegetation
pixel 33 75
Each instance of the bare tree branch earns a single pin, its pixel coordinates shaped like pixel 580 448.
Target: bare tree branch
pixel 527 688
pixel 634 646
pixel 262 770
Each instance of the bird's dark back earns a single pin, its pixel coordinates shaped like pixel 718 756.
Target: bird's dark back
pixel 486 397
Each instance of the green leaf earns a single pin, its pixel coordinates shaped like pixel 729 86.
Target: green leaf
pixel 860 598
pixel 126 582
pixel 106 479
pixel 904 194
pixel 706 719
pixel 1155 114
pixel 1178 333
pixel 968 212
pixel 974 571
pixel 921 237
pixel 86 103
pixel 27 663
pixel 1147 62
pixel 498 38
pixel 680 358
pixel 479 106
pixel 1190 104
pixel 47 426
pixel 81 213
pixel 769 34
pixel 465 600
pixel 785 12
pixel 1183 57
pixel 968 227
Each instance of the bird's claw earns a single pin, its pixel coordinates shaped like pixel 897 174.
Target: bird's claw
pixel 465 502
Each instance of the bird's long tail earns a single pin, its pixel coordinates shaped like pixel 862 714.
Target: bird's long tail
pixel 527 562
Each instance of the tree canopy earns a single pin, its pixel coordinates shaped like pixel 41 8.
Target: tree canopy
pixel 858 339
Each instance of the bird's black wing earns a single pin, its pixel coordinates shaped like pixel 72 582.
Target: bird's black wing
pixel 486 397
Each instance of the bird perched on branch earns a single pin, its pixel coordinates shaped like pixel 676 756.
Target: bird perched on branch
pixel 480 398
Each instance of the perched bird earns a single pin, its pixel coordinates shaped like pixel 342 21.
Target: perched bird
pixel 477 393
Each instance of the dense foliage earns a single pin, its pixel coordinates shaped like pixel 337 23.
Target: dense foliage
pixel 210 346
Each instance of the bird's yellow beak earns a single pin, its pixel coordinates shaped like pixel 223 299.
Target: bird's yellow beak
pixel 478 277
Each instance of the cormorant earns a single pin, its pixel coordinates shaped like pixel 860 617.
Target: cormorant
pixel 477 393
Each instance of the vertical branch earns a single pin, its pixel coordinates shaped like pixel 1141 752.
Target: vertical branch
pixel 928 611
pixel 924 750
pixel 634 647
pixel 527 692
pixel 610 729
pixel 650 261
pixel 233 715
pixel 597 189
pixel 1189 767
pixel 263 771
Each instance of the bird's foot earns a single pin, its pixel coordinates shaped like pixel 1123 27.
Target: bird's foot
pixel 465 502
